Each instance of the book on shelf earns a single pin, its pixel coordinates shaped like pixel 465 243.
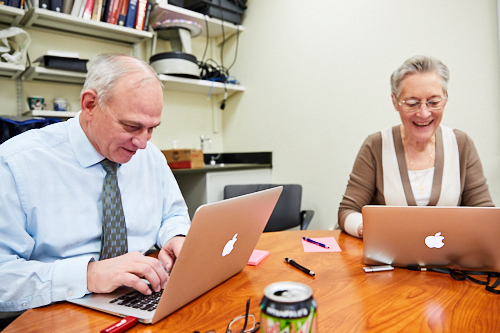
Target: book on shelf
pixel 67 6
pixel 75 10
pixel 123 13
pixel 149 7
pixel 87 13
pixel 82 8
pixel 104 10
pixel 141 14
pixel 114 11
pixel 44 4
pixel 106 15
pixel 14 3
pixel 131 14
pixel 56 5
pixel 96 12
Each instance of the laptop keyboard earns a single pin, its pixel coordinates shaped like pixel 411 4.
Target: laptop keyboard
pixel 137 300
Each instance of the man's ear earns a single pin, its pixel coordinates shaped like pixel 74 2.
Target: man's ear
pixel 88 103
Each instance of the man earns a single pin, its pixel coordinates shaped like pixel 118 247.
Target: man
pixel 51 213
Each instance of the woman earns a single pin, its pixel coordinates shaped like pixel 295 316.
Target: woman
pixel 404 165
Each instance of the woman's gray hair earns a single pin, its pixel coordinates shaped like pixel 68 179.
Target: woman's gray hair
pixel 419 64
pixel 106 70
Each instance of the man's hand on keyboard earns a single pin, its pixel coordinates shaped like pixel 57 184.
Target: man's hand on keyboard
pixel 104 276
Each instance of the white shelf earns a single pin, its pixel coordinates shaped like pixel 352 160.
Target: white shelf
pixel 198 86
pixel 10 15
pixel 38 17
pixel 56 75
pixel 11 70
pixel 161 13
pixel 50 114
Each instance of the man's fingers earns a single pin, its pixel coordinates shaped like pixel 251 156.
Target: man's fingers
pixel 165 260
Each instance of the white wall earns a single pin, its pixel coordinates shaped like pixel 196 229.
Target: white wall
pixel 317 73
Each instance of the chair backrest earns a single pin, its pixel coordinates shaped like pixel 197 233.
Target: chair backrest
pixel 285 215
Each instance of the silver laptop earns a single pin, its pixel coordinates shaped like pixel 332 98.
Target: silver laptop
pixel 465 238
pixel 219 243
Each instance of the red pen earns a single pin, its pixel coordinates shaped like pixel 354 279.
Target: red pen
pixel 121 325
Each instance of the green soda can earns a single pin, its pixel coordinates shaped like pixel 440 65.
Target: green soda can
pixel 288 307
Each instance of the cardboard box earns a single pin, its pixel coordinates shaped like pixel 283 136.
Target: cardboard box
pixel 184 158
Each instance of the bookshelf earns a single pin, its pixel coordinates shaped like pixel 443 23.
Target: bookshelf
pixel 198 86
pixel 50 20
pixel 44 18
pixel 50 114
pixel 10 70
pixel 10 15
pixel 39 73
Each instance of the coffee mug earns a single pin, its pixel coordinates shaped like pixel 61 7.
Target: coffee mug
pixel 35 103
pixel 60 104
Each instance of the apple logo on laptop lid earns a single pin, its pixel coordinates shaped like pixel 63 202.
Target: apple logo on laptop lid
pixel 229 246
pixel 435 241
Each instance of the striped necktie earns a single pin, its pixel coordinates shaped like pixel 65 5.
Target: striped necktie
pixel 114 229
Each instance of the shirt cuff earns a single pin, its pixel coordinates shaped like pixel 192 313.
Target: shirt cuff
pixel 352 223
pixel 70 278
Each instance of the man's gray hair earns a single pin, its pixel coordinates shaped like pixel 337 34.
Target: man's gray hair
pixel 419 64
pixel 108 68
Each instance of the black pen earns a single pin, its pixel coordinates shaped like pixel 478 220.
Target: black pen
pixel 302 268
pixel 309 240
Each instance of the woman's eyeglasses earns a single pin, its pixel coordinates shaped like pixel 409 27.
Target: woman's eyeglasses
pixel 413 105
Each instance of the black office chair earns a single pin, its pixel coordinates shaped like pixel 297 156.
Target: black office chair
pixel 286 214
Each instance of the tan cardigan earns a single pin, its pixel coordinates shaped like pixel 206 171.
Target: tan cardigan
pixel 366 183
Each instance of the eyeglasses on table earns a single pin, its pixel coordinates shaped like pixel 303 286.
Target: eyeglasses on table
pixel 242 324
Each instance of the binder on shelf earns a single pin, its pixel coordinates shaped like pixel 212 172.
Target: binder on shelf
pixel 44 4
pixel 131 14
pixel 67 6
pixel 87 13
pixel 15 3
pixel 141 13
pixel 123 12
pixel 56 5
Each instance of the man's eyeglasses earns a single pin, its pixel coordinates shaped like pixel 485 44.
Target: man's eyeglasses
pixel 413 105
pixel 242 324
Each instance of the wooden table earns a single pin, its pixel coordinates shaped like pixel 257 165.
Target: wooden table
pixel 349 300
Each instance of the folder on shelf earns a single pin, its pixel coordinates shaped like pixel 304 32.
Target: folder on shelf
pixel 56 5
